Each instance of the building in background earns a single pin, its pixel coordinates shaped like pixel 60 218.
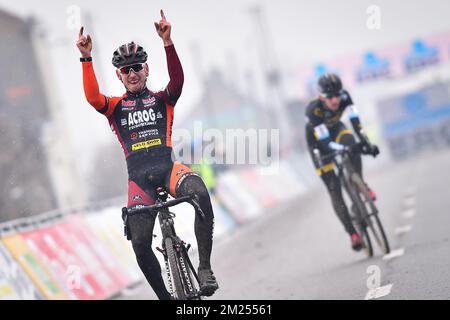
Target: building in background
pixel 417 121
pixel 36 172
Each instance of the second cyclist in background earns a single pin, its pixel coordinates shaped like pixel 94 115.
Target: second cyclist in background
pixel 326 132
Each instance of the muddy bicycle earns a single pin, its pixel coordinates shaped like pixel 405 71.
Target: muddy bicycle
pixel 182 278
pixel 364 212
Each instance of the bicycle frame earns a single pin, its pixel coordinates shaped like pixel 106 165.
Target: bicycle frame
pixel 345 173
pixel 345 170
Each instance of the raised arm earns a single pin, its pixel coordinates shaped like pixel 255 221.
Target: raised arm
pixel 173 90
pixel 91 90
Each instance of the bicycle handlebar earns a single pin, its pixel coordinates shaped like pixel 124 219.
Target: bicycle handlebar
pixel 192 200
pixel 347 149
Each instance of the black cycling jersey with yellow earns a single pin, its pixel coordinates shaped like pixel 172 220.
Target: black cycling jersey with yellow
pixel 323 124
pixel 317 113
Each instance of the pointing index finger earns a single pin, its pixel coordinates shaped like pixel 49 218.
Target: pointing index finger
pixel 162 15
pixel 81 31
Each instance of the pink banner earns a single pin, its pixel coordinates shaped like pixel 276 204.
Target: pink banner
pixel 305 75
pixel 87 258
pixel 109 264
pixel 59 253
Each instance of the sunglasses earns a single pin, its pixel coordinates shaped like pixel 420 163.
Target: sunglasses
pixel 331 95
pixel 135 67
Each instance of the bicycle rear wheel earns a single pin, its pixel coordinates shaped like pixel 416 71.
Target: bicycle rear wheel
pixel 175 272
pixel 373 220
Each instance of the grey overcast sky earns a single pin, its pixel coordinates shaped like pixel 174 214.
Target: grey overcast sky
pixel 299 32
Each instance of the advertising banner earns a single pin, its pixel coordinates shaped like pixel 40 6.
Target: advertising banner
pixel 416 121
pixel 386 62
pixel 34 267
pixel 260 187
pixel 14 282
pixel 109 265
pixel 223 221
pixel 58 254
pixel 111 234
pixel 237 198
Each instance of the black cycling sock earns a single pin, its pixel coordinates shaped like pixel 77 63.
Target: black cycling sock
pixel 141 229
pixel 203 227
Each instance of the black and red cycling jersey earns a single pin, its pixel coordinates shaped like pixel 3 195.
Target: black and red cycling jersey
pixel 142 121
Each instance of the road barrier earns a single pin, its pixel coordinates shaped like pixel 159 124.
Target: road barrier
pixel 65 257
pixel 82 254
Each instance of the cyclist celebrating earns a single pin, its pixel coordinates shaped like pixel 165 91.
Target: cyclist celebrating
pixel 326 132
pixel 142 120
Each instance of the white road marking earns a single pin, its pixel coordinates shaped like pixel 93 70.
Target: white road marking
pixel 403 229
pixel 379 292
pixel 409 213
pixel 409 202
pixel 394 254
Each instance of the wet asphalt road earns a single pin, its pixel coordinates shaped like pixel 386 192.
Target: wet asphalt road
pixel 300 250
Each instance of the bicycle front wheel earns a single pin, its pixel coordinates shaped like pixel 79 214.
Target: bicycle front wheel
pixel 175 272
pixel 358 214
pixel 362 227
pixel 188 274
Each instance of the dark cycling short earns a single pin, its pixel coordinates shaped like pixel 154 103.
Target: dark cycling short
pixel 143 179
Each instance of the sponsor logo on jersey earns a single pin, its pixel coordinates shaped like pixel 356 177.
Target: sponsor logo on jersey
pixel 179 172
pixel 145 144
pixel 149 101
pixel 129 103
pixel 159 115
pixel 321 132
pixel 137 197
pixel 183 177
pixel 123 122
pixel 317 112
pixel 145 134
pixel 141 116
